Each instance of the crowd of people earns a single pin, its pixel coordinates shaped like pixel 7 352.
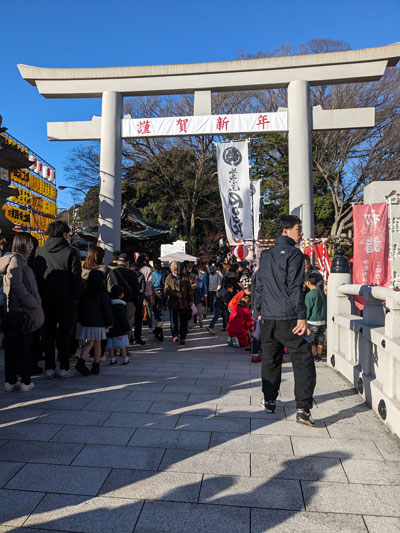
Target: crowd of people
pixel 55 303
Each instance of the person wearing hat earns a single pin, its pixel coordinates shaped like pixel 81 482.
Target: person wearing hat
pixel 139 313
pixel 179 299
pixel 245 292
pixel 146 270
pixel 128 280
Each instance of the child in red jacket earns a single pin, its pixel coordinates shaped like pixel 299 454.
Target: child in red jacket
pixel 240 324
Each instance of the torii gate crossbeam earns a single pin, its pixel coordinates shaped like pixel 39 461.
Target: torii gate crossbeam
pixel 297 73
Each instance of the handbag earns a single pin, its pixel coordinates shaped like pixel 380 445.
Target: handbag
pixel 17 323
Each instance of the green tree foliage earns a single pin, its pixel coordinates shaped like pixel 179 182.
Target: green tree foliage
pixel 173 180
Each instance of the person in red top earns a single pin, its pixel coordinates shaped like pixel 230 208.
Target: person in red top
pixel 240 324
pixel 236 299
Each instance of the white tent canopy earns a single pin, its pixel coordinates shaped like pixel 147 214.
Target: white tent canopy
pixel 178 256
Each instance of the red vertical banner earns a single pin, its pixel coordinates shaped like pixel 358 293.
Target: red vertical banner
pixel 371 245
pixel 321 255
pixel 323 260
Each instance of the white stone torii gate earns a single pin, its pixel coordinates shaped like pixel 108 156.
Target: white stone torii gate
pixel 297 73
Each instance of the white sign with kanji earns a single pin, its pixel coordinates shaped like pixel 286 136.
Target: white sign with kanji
pixel 204 125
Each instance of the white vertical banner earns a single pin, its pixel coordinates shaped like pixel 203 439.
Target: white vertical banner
pixel 234 188
pixel 256 195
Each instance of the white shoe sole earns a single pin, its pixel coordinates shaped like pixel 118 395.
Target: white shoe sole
pixel 66 376
pixel 28 388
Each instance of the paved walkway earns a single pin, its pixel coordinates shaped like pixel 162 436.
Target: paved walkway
pixel 177 442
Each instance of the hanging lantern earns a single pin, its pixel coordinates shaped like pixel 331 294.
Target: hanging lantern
pixel 250 256
pixel 241 251
pixel 38 167
pixel 46 172
pixel 34 160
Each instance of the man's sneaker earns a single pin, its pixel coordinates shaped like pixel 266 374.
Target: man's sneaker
pixel 269 405
pixel 235 342
pixel 95 368
pixel 211 330
pixel 182 341
pixel 50 374
pixel 125 361
pixel 81 367
pixel 255 358
pixel 175 339
pixel 27 388
pixel 304 417
pixel 64 374
pixel 113 360
pixel 140 341
pixel 10 387
pixel 229 341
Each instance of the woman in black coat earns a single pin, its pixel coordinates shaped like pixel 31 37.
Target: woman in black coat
pixel 95 317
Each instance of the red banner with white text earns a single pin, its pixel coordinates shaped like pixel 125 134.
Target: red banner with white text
pixel 371 245
pixel 322 257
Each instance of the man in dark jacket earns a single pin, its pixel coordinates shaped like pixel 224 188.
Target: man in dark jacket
pixel 128 280
pixel 139 314
pixel 280 307
pixel 58 270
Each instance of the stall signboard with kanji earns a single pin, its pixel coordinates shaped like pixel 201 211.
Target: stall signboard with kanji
pixel 34 205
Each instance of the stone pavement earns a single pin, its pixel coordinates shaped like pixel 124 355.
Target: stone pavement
pixel 177 442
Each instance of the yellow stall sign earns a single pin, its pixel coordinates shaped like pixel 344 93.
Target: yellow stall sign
pixel 16 215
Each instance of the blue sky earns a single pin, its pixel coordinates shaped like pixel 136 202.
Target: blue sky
pixel 95 33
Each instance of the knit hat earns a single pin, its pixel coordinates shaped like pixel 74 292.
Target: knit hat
pixel 246 282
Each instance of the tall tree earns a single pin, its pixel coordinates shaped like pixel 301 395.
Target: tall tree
pixel 344 161
pixel 173 172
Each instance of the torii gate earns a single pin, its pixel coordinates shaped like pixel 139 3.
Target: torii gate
pixel 297 73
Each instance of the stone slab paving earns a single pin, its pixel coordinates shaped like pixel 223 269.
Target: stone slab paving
pixel 177 441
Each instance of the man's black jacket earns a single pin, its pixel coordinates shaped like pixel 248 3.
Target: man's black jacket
pixel 128 280
pixel 58 271
pixel 279 285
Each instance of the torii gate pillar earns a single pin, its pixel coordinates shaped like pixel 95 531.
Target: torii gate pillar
pixel 110 173
pixel 300 155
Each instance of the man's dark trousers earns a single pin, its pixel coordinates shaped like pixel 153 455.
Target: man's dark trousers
pixel 60 320
pixel 275 335
pixel 179 317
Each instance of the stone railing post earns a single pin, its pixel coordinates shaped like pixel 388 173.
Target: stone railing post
pixel 336 303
